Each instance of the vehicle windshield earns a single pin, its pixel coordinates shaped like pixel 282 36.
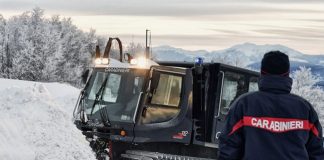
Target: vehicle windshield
pixel 119 96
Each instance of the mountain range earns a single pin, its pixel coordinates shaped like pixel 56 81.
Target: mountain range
pixel 243 55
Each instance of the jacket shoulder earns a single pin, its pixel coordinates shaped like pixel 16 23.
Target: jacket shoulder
pixel 247 95
pixel 302 100
pixel 242 98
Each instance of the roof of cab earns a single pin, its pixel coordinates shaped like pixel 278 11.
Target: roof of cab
pixel 191 64
pixel 113 63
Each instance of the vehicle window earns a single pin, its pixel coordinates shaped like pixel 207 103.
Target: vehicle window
pixel 112 87
pixel 100 77
pixel 165 100
pixel 119 97
pixel 168 91
pixel 233 87
pixel 132 98
pixel 253 84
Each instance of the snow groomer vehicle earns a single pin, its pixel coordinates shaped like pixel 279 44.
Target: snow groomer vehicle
pixel 135 108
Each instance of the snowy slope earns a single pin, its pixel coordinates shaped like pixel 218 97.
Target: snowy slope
pixel 256 51
pixel 168 53
pixel 247 52
pixel 36 122
pixel 250 52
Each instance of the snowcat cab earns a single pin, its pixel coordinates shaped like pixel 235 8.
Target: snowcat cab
pixel 166 110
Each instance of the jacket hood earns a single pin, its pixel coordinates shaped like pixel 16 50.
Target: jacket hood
pixel 275 84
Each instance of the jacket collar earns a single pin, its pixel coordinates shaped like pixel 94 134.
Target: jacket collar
pixel 275 84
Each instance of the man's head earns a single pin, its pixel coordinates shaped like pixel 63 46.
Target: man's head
pixel 275 63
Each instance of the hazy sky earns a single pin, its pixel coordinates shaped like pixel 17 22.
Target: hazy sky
pixel 193 24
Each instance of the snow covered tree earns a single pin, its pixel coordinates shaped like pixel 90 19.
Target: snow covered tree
pixel 305 85
pixel 135 49
pixel 36 48
pixel 2 44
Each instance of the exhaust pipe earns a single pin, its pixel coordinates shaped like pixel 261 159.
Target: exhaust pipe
pixel 108 48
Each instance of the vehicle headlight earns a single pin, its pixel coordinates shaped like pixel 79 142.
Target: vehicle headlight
pixel 101 60
pixel 105 61
pixel 140 62
pixel 133 61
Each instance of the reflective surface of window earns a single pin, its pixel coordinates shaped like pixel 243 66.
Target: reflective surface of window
pixel 233 87
pixel 253 84
pixel 168 90
pixel 165 101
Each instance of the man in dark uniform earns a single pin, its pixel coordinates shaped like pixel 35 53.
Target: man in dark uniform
pixel 272 124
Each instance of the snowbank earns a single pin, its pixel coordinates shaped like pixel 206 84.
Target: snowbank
pixel 36 122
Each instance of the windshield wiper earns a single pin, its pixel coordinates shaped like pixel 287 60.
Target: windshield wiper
pixel 103 113
pixel 98 95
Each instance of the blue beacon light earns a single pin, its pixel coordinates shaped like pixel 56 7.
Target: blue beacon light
pixel 199 61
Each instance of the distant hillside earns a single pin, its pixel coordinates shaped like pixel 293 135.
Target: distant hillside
pixel 316 69
pixel 247 52
pixel 244 55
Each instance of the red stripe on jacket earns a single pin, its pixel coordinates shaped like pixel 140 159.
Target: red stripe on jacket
pixel 275 125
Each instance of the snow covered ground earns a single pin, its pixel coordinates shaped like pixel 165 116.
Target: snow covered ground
pixel 36 122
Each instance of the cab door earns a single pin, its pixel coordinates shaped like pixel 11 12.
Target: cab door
pixel 233 84
pixel 165 114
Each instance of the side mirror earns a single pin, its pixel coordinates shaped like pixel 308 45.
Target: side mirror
pixel 85 76
pixel 128 57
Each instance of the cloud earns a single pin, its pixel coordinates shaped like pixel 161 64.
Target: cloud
pixel 184 8
pixel 297 33
pixel 210 24
pixel 312 20
pixel 216 41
